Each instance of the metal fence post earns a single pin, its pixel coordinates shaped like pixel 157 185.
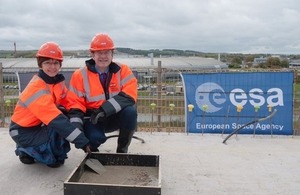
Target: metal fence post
pixel 159 91
pixel 2 117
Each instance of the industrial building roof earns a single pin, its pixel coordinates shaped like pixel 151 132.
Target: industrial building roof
pixel 180 63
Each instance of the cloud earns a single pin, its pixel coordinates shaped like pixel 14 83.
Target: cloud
pixel 248 26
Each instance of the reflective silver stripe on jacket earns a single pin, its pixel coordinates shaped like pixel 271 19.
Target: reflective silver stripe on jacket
pixel 39 93
pixel 78 93
pixel 115 104
pixel 76 120
pixel 13 133
pixel 101 97
pixel 32 98
pixel 126 79
pixel 73 135
pixel 88 90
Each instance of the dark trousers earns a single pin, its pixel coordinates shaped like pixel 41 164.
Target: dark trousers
pixel 54 150
pixel 125 121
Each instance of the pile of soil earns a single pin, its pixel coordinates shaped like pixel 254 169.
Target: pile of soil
pixel 123 175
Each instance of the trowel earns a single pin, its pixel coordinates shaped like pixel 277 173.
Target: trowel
pixel 95 165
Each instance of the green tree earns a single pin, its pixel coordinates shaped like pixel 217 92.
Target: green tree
pixel 273 62
pixel 235 62
pixel 284 63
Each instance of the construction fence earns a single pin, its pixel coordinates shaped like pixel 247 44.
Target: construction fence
pixel 160 104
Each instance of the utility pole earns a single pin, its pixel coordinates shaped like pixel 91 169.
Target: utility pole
pixel 159 100
pixel 2 117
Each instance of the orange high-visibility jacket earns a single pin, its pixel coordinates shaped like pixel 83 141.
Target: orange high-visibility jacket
pixel 38 103
pixel 38 106
pixel 86 92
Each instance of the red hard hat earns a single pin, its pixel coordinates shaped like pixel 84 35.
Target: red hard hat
pixel 50 50
pixel 101 42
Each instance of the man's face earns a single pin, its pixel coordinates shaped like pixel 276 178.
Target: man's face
pixel 102 58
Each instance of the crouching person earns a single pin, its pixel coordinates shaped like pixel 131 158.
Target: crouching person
pixel 103 96
pixel 40 129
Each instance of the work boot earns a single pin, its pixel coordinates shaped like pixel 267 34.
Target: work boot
pixel 26 159
pixel 55 165
pixel 124 141
pixel 61 162
pixel 94 150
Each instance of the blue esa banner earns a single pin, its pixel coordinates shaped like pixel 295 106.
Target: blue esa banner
pixel 222 102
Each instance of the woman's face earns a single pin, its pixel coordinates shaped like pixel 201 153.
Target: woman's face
pixel 51 67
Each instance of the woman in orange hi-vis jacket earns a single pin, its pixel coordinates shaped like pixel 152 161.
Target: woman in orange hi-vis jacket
pixel 38 126
pixel 103 96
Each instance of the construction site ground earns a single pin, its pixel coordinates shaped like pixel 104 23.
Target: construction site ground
pixel 190 164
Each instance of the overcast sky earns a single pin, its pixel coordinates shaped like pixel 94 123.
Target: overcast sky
pixel 231 26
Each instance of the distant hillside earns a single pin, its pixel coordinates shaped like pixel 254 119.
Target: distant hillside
pixel 157 52
pixel 85 53
pixel 224 57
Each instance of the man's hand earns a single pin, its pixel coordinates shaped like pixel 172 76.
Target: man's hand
pixel 98 116
pixel 87 149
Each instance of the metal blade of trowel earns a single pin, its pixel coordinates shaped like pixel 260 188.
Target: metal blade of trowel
pixel 95 165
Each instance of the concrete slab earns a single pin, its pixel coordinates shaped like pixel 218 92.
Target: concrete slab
pixel 190 164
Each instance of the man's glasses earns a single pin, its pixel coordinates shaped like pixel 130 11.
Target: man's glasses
pixel 104 52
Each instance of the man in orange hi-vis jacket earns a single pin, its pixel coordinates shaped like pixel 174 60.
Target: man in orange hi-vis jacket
pixel 38 126
pixel 103 96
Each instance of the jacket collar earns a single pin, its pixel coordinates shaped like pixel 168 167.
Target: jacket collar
pixel 51 80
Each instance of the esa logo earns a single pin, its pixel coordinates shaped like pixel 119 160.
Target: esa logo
pixel 214 96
